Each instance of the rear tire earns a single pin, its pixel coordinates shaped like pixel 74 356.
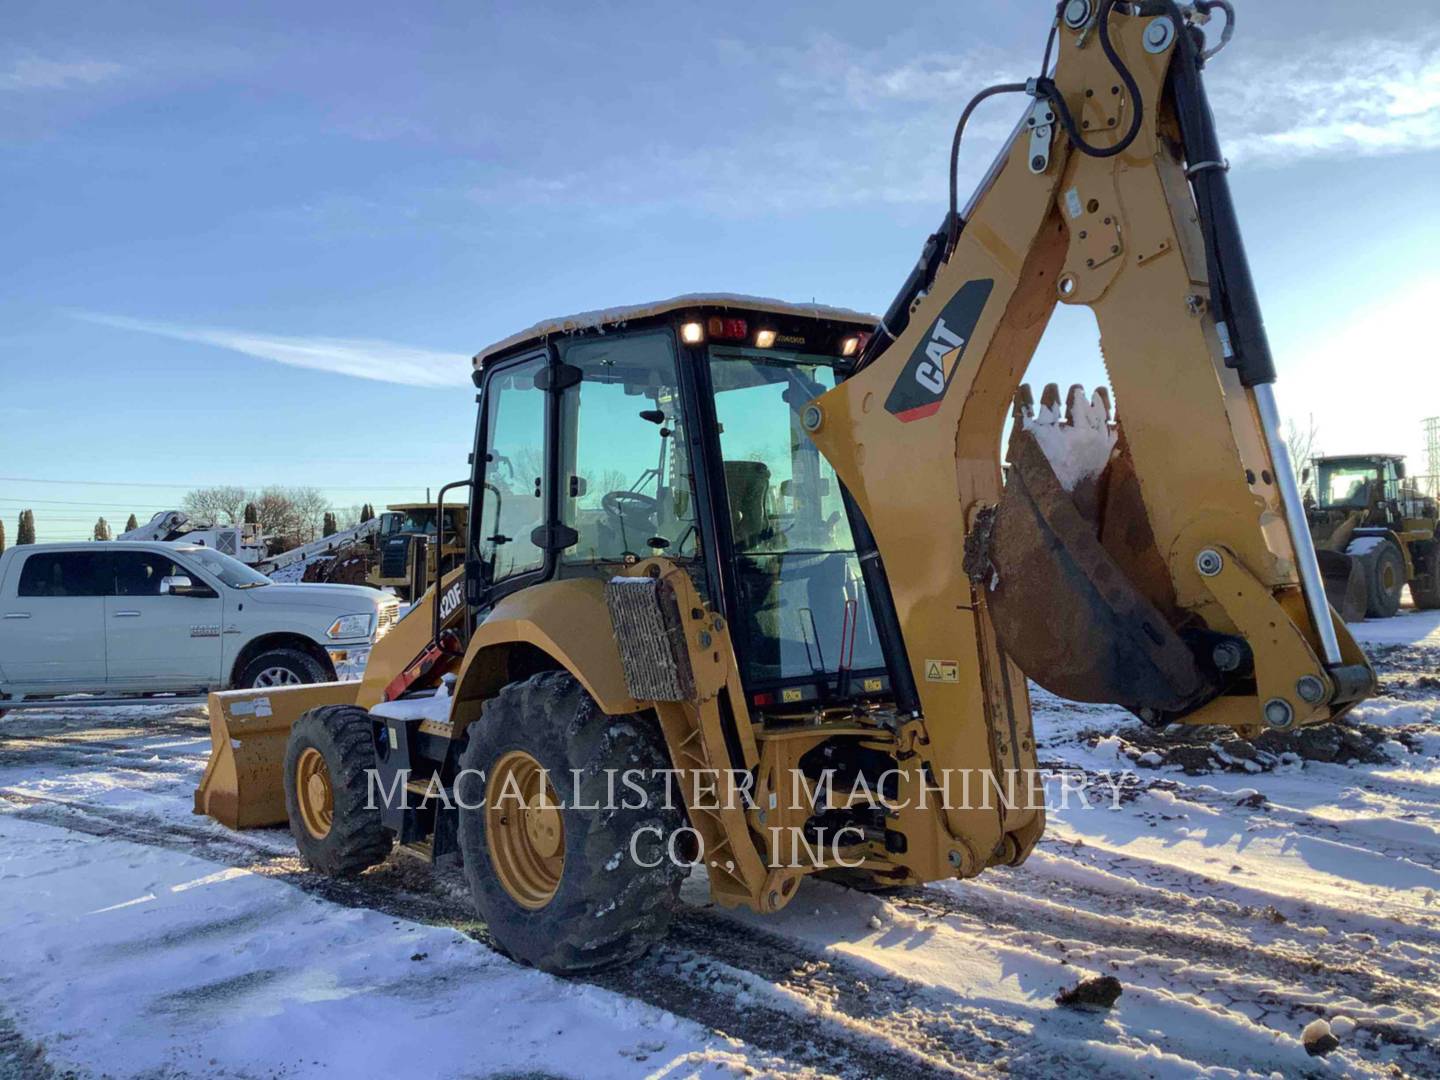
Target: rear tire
pixel 594 905
pixel 1384 579
pixel 327 760
pixel 1427 596
pixel 282 667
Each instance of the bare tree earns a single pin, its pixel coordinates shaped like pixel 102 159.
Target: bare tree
pixel 311 506
pixel 102 530
pixel 26 532
pixel 2 537
pixel 275 512
pixel 1301 443
pixel 131 523
pixel 220 505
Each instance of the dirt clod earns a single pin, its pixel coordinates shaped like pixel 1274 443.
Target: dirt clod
pixel 1093 994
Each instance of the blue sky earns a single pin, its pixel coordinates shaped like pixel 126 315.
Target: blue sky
pixel 217 218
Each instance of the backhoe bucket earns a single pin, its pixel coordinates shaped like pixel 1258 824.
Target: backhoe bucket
pixel 1068 546
pixel 244 782
pixel 1345 586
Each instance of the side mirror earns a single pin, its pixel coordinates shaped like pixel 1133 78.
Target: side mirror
pixel 176 586
pixel 1305 475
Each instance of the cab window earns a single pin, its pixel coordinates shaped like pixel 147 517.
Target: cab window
pixel 64 573
pixel 626 487
pixel 139 573
pixel 512 499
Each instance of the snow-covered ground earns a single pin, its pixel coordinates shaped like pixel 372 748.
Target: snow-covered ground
pixel 1235 903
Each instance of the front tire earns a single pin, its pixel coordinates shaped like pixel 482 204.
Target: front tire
pixel 282 667
pixel 1384 579
pixel 553 877
pixel 327 761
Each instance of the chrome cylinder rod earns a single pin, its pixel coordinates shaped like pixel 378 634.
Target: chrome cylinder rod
pixel 1306 561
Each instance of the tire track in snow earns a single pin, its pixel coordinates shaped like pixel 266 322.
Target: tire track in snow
pixel 1289 980
pixel 826 1026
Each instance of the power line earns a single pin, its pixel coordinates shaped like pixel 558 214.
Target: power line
pixel 191 487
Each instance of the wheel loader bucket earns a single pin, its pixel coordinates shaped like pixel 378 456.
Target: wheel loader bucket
pixel 244 782
pixel 1345 586
pixel 1072 583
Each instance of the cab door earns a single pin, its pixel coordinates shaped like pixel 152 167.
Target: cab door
pixel 158 639
pixel 52 629
pixel 511 502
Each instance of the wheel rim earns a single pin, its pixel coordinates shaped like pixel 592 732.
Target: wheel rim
pixel 277 676
pixel 314 794
pixel 524 830
pixel 1389 578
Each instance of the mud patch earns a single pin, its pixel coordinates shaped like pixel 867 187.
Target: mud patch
pixel 1203 749
pixel 196 1002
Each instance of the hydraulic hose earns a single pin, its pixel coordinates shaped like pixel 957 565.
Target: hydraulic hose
pixel 953 225
pixel 1045 85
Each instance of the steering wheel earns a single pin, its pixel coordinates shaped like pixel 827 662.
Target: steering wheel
pixel 618 503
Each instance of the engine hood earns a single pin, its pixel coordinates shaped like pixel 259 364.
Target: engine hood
pixel 341 599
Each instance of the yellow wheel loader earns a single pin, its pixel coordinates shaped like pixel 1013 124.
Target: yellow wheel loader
pixel 747 587
pixel 1375 533
pixel 416 541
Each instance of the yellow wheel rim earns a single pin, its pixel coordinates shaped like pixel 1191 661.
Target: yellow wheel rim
pixel 314 793
pixel 1388 576
pixel 524 830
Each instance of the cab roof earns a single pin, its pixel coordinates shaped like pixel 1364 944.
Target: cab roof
pixel 618 316
pixel 1360 457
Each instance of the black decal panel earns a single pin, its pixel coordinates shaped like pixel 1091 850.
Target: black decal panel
pixel 922 385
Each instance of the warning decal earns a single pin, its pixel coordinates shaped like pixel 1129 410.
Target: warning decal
pixel 942 670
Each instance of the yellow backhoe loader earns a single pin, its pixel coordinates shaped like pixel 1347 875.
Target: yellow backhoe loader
pixel 745 585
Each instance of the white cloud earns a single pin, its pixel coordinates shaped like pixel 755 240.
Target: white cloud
pixel 1326 98
pixel 38 73
pixel 382 361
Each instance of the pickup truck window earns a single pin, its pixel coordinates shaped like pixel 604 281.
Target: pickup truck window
pixel 231 571
pixel 139 573
pixel 64 573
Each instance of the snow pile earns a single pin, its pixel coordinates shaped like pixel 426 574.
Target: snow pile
pixel 157 963
pixel 1078 447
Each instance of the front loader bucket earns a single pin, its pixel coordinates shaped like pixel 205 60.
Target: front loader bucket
pixel 1064 604
pixel 1345 586
pixel 244 783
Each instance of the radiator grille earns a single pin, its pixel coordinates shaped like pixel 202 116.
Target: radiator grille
pixel 395 557
pixel 651 637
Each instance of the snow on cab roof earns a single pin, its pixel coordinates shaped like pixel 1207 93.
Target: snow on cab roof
pixel 590 320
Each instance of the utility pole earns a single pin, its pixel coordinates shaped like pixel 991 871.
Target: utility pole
pixel 1432 454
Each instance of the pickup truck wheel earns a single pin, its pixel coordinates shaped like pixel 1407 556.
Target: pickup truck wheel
pixel 326 798
pixel 562 884
pixel 282 667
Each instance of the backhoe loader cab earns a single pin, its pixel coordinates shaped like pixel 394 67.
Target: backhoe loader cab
pixel 675 431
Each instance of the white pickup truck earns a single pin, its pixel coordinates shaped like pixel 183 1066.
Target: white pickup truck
pixel 141 618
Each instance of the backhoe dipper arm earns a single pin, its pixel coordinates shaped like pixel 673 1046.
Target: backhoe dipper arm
pixel 1161 563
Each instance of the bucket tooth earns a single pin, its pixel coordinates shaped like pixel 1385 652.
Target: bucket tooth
pixel 1050 402
pixel 1092 412
pixel 1024 408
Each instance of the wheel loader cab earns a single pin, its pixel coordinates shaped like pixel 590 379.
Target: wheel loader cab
pixel 679 436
